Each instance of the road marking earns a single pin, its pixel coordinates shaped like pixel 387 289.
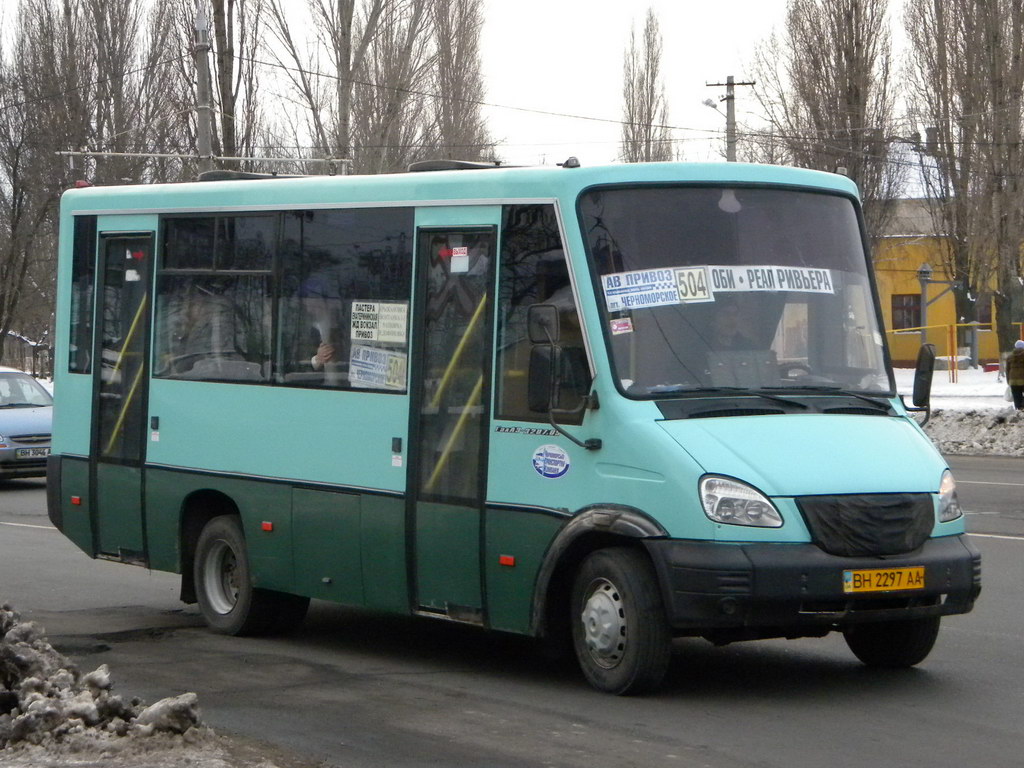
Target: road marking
pixel 986 482
pixel 26 525
pixel 997 536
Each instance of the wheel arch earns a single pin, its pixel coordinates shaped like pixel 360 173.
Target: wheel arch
pixel 197 509
pixel 591 528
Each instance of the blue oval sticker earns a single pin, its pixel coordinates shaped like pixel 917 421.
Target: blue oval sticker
pixel 550 461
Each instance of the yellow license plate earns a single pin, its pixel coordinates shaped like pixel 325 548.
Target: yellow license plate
pixel 883 579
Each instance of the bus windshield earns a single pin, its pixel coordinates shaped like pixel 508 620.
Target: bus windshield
pixel 732 288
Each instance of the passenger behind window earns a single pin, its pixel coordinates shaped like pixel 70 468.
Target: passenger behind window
pixel 323 309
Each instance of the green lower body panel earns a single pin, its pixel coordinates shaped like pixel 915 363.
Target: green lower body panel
pixel 341 546
pixel 448 557
pixel 76 510
pixel 119 511
pixel 513 555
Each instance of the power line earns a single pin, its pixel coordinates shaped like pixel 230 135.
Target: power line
pixel 90 84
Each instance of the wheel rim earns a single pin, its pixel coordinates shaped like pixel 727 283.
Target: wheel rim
pixel 220 577
pixel 604 624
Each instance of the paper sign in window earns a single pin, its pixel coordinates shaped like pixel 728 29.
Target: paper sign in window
pixel 379 321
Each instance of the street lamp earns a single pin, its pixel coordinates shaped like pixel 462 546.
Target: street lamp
pixel 730 129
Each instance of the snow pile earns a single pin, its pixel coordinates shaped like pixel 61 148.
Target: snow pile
pixel 45 701
pixel 978 432
pixel 970 415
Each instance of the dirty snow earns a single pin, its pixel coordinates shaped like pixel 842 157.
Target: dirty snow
pixel 971 415
pixel 53 715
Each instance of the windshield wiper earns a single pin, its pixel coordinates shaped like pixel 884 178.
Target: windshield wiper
pixel 744 391
pixel 835 390
pixel 18 405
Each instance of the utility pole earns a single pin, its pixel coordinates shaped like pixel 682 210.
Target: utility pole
pixel 730 114
pixel 204 109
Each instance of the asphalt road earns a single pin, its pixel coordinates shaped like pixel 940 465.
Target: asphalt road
pixel 352 689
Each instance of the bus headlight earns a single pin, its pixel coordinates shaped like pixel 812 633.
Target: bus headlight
pixel 731 502
pixel 949 504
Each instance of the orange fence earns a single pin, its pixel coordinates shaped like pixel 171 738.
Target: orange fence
pixel 905 343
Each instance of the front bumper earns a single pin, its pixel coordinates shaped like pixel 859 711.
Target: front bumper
pixel 792 589
pixel 12 468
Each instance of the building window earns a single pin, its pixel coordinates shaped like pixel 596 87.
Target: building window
pixel 906 311
pixel 984 310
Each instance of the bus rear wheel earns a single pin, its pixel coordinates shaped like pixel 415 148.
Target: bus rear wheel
pixel 893 644
pixel 229 602
pixel 620 634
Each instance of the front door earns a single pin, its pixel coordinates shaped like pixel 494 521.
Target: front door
pixel 450 411
pixel 119 393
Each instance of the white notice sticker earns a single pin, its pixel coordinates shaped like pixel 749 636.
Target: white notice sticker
pixel 647 288
pixel 460 259
pixel 770 278
pixel 372 368
pixel 379 321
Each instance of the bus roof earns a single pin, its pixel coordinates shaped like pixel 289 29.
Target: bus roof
pixel 486 186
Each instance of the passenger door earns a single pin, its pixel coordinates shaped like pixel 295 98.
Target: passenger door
pixel 450 410
pixel 120 386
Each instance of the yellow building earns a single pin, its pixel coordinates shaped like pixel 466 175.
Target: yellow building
pixel 902 257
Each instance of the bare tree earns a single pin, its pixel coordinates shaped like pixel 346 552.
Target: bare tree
pixel 825 87
pixel 237 127
pixel 132 72
pixel 389 107
pixel 645 135
pixel 34 124
pixel 345 35
pixel 460 130
pixel 967 80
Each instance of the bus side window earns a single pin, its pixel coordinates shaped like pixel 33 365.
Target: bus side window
pixel 83 279
pixel 533 270
pixel 345 290
pixel 214 298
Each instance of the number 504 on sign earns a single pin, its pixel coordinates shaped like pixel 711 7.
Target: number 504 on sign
pixel 692 284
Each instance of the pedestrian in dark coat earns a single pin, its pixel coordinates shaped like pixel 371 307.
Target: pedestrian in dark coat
pixel 1015 374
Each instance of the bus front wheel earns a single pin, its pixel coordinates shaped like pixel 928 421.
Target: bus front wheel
pixel 620 633
pixel 229 602
pixel 893 644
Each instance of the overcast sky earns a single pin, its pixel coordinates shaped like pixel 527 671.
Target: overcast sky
pixel 565 56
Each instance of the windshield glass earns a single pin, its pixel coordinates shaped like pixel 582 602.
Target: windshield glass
pixel 19 390
pixel 750 288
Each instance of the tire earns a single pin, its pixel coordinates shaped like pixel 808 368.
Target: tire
pixel 619 630
pixel 893 644
pixel 223 579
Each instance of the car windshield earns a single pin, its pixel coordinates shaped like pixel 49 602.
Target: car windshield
pixel 19 390
pixel 734 289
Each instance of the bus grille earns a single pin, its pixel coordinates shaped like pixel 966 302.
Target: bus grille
pixel 871 524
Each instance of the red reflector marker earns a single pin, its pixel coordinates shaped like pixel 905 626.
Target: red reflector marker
pixel 508 560
pixel 76 500
pixel 267 525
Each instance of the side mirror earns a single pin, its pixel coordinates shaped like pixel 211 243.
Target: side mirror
pixel 557 374
pixel 542 324
pixel 542 387
pixel 923 376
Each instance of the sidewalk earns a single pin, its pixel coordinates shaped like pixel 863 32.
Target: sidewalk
pixel 974 390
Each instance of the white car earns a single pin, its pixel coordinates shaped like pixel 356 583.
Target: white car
pixel 26 412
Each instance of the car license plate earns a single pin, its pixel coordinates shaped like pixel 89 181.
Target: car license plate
pixel 883 579
pixel 31 453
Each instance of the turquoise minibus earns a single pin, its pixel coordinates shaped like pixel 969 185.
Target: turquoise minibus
pixel 605 407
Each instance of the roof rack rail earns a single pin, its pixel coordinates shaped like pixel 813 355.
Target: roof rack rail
pixel 453 165
pixel 222 175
